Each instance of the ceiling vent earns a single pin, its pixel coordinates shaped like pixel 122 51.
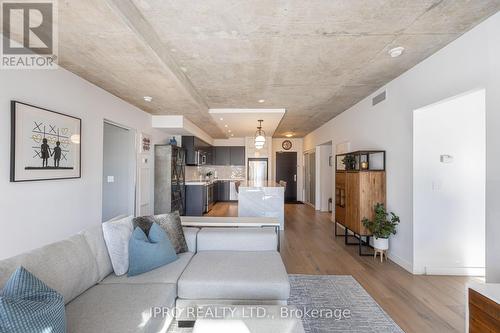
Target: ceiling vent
pixel 379 98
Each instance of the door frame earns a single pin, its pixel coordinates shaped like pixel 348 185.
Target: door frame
pixel 306 176
pixel 134 163
pixel 296 171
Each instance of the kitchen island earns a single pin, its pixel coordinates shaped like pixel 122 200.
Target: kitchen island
pixel 262 199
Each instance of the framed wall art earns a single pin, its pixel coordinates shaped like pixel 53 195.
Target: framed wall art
pixel 44 144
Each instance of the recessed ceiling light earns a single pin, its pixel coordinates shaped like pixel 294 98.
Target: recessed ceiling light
pixel 148 98
pixel 289 135
pixel 262 100
pixel 232 134
pixel 221 118
pixel 396 52
pixel 229 131
pixel 225 126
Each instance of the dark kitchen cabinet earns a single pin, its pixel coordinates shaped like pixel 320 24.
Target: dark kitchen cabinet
pixel 194 146
pixel 196 200
pixel 223 190
pixel 222 156
pixel 189 145
pixel 237 155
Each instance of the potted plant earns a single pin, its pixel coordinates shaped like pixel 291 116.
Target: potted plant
pixel 349 162
pixel 383 225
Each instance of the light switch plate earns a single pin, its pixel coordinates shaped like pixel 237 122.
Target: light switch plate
pixel 111 179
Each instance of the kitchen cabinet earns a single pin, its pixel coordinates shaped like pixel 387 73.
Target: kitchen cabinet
pixel 193 146
pixel 222 156
pixel 237 155
pixel 223 190
pixel 196 200
pixel 234 155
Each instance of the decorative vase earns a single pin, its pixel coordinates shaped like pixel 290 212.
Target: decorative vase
pixel 381 243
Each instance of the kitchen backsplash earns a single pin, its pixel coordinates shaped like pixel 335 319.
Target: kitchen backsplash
pixel 221 171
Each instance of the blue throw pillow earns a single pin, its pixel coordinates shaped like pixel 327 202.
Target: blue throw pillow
pixel 146 253
pixel 28 305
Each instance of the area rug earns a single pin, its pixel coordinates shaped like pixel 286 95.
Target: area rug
pixel 333 304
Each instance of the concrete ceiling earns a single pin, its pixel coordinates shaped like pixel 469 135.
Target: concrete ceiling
pixel 244 122
pixel 314 58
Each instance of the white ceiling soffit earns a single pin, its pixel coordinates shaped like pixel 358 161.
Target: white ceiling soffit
pixel 244 122
pixel 179 125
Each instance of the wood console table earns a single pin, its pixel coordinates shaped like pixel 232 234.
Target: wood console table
pixel 483 308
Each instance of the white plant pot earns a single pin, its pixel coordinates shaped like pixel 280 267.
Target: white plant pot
pixel 381 243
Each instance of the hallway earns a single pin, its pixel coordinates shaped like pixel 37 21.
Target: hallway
pixel 416 303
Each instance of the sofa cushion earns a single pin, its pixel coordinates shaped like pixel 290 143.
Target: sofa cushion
pixel 166 274
pixel 190 234
pixel 68 266
pixel 237 239
pixel 117 235
pixel 120 308
pixel 146 253
pixel 95 239
pixel 258 275
pixel 171 223
pixel 28 305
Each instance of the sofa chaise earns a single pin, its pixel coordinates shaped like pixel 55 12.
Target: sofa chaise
pixel 223 266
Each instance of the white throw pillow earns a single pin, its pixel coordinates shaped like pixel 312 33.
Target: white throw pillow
pixel 117 234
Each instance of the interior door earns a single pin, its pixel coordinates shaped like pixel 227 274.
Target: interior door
pixel 286 170
pixel 118 186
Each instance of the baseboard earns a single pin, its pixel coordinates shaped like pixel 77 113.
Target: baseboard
pixel 405 264
pixel 458 271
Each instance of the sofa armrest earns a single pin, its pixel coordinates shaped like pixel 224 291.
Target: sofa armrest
pixel 237 239
pixel 190 234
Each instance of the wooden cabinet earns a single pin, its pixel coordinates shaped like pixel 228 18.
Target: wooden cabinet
pixel 484 313
pixel 356 193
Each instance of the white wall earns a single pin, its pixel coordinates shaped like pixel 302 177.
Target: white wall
pixel 296 147
pixel 470 62
pixel 449 195
pixel 38 213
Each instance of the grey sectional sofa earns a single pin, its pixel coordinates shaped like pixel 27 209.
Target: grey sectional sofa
pixel 223 266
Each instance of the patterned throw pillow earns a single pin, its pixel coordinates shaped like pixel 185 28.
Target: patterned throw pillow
pixel 28 305
pixel 171 223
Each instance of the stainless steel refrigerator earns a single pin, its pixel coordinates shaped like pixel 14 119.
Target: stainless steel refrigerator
pixel 257 169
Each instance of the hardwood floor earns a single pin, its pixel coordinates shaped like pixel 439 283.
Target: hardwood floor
pixel 416 303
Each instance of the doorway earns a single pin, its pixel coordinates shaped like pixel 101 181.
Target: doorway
pixel 449 181
pixel 286 170
pixel 119 169
pixel 310 178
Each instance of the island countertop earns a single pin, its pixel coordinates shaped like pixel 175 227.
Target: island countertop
pixel 265 183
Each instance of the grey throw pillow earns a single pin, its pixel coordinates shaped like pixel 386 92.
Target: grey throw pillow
pixel 171 223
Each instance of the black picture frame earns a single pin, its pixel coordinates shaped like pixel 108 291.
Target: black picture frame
pixel 13 143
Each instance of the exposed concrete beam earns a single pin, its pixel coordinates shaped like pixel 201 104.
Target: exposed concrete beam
pixel 137 23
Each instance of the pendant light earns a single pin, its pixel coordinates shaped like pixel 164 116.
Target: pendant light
pixel 260 136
